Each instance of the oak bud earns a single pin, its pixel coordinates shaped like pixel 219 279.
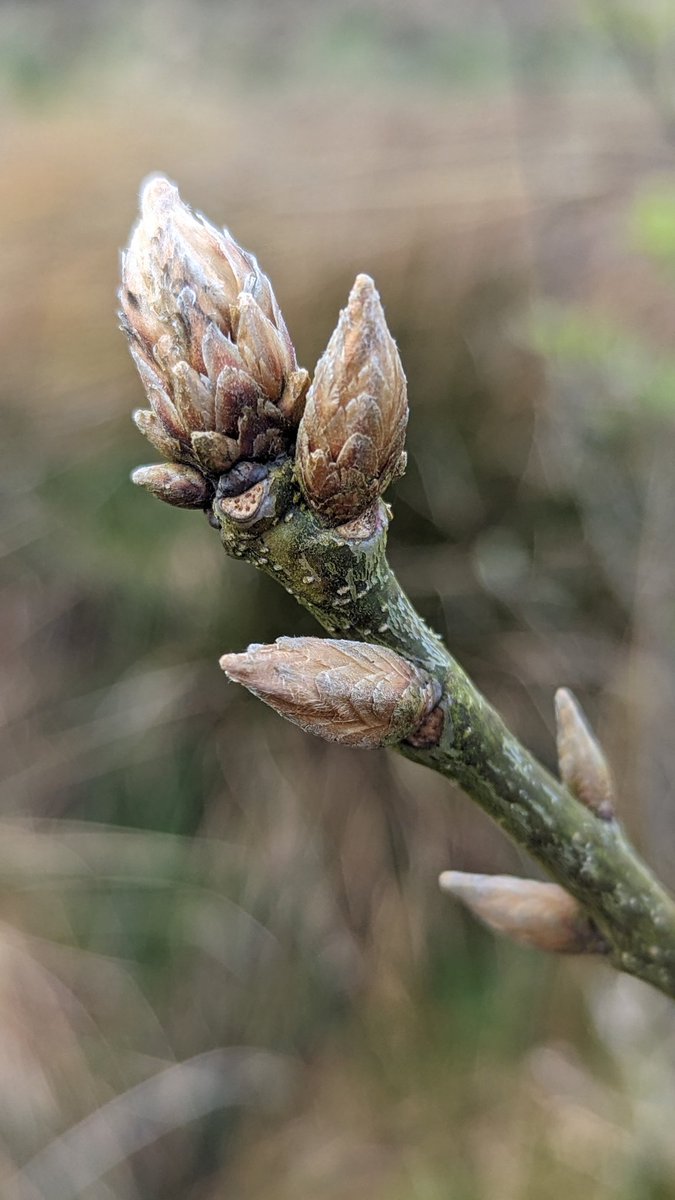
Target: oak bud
pixel 583 767
pixel 349 692
pixel 352 433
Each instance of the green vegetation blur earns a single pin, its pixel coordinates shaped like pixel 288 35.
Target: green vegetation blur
pixel 227 970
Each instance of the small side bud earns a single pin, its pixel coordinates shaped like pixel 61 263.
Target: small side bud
pixel 352 433
pixel 583 767
pixel 181 486
pixel 541 915
pixel 349 692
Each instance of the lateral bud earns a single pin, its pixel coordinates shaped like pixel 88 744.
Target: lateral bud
pixel 583 767
pixel 175 484
pixel 352 433
pixel 349 692
pixel 541 915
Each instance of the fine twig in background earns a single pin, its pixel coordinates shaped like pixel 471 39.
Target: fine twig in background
pixel 292 477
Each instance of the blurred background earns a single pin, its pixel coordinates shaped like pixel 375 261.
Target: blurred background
pixel 227 970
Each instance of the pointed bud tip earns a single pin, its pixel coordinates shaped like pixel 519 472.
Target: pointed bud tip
pixel 232 665
pixel 157 194
pixel 244 667
pixel 564 699
pixel 453 881
pixel 364 305
pixel 363 287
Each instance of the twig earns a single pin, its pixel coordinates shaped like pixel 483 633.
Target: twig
pixel 294 487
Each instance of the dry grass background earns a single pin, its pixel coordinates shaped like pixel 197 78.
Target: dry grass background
pixel 226 969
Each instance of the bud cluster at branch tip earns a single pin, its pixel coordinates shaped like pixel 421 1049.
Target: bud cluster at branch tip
pixel 541 915
pixel 210 344
pixel 349 692
pixel 583 767
pixel 352 433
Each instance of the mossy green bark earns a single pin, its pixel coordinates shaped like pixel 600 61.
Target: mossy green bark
pixel 343 578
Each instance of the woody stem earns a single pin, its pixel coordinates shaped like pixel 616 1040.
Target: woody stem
pixel 342 576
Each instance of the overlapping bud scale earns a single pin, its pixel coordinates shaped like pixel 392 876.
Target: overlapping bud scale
pixel 209 342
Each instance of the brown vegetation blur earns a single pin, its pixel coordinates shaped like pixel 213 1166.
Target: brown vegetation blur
pixel 227 969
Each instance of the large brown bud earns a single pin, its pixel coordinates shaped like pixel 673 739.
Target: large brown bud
pixel 352 434
pixel 209 341
pixel 541 915
pixel 349 692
